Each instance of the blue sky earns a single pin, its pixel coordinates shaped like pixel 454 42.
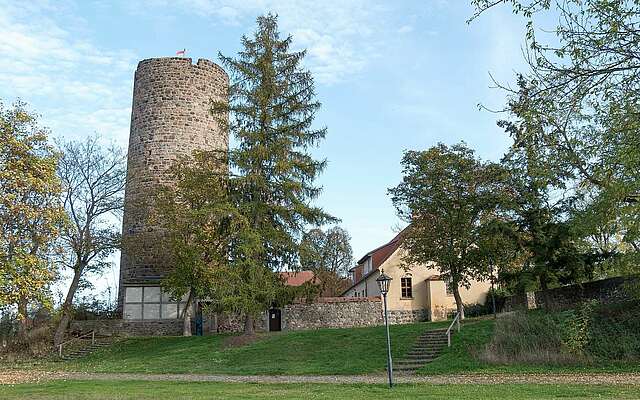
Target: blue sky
pixel 392 76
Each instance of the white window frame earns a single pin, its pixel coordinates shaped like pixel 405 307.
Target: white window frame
pixel 150 297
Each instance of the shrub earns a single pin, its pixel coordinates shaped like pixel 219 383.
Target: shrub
pixel 576 327
pixel 90 308
pixel 530 338
pixel 615 332
pixel 477 310
pixel 590 332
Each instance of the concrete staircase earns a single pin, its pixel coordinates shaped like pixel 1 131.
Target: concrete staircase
pixel 84 347
pixel 426 349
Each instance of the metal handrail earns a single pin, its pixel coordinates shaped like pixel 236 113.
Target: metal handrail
pixel 93 340
pixel 456 319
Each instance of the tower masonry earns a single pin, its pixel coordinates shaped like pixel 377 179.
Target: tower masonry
pixel 170 117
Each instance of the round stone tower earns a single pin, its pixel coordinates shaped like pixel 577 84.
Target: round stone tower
pixel 170 117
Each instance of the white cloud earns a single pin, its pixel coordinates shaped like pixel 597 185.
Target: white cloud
pixel 49 62
pixel 341 36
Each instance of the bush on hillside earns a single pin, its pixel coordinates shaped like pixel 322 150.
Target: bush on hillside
pixel 529 338
pixel 614 333
pixel 590 332
pixel 477 310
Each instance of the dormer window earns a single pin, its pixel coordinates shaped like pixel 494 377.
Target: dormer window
pixel 367 265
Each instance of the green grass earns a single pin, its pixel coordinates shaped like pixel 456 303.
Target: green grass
pixel 95 390
pixel 466 347
pixel 461 356
pixel 324 352
pixel 353 351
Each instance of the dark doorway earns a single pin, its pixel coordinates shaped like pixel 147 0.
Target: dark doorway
pixel 275 320
pixel 199 320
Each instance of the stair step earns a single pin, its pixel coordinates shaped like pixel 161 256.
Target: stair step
pixel 422 355
pixel 407 367
pixel 89 347
pixel 412 361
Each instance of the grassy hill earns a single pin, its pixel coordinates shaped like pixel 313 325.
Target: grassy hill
pixel 593 338
pixel 324 351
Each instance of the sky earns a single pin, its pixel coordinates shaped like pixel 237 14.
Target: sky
pixel 391 75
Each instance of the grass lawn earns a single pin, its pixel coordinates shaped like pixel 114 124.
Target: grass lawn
pixel 461 357
pixel 324 351
pixel 320 352
pixel 70 390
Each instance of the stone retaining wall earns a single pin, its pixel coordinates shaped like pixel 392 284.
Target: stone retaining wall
pixel 604 291
pixel 334 312
pixel 407 317
pixel 122 327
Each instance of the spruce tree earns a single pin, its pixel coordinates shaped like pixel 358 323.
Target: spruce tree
pixel 270 112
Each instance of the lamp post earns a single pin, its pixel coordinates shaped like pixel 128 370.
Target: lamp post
pixel 383 283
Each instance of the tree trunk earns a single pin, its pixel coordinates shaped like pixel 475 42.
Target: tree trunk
pixel 186 316
pixel 67 307
pixel 248 325
pixel 22 318
pixel 459 305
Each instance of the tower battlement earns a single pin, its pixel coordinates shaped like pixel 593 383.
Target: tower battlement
pixel 178 62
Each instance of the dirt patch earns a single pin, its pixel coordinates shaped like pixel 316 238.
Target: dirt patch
pixel 14 377
pixel 241 340
pixel 626 379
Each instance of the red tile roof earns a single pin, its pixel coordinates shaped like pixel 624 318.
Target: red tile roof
pixel 297 278
pixel 378 257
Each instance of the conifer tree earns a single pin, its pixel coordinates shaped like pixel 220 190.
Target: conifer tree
pixel 271 108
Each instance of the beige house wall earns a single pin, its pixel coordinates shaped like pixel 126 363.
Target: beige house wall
pixel 427 294
pixel 442 303
pixel 418 274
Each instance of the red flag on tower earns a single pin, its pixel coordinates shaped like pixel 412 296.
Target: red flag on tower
pixel 182 52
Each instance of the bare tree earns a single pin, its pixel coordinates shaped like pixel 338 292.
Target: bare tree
pixel 93 179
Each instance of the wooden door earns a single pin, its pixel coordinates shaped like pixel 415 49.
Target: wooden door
pixel 275 320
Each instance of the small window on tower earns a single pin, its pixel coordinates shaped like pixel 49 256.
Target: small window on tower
pixel 405 285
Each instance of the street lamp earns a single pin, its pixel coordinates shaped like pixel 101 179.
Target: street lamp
pixel 383 283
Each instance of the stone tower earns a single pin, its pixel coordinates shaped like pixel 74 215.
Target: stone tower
pixel 170 117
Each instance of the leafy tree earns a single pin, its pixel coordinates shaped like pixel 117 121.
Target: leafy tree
pixel 93 179
pixel 582 91
pixel 271 108
pixel 210 242
pixel 199 224
pixel 30 211
pixel 538 221
pixel 445 195
pixel 329 255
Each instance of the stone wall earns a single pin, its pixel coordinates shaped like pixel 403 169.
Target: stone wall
pixel 122 327
pixel 407 316
pixel 334 312
pixel 170 118
pixel 604 291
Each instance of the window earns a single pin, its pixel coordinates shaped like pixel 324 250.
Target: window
pixel 405 286
pixel 367 265
pixel 150 302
